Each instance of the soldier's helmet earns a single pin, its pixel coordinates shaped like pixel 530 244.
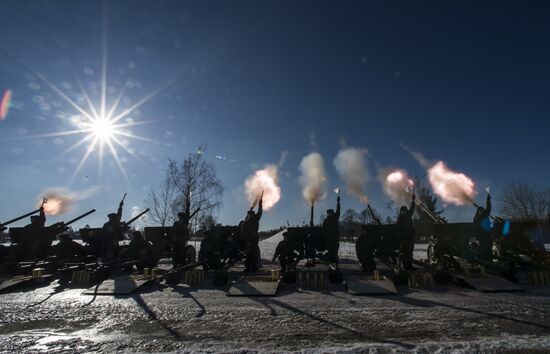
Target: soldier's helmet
pixel 112 216
pixel 251 213
pixel 35 218
pixel 403 209
pixel 285 234
pixel 330 211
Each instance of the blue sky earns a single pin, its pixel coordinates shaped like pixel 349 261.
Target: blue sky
pixel 466 82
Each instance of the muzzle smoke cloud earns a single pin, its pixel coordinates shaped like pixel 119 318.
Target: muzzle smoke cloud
pixel 264 181
pixel 351 166
pixel 61 200
pixel 452 187
pixel 313 177
pixel 397 185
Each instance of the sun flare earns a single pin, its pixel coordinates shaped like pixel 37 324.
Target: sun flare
pixel 103 129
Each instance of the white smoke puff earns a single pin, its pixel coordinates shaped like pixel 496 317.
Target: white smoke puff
pixel 453 187
pixel 312 140
pixel 397 185
pixel 140 223
pixel 423 161
pixel 264 181
pixel 60 200
pixel 351 166
pixel 313 178
pixel 282 159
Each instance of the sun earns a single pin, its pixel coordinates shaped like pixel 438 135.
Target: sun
pixel 103 129
pixel 104 125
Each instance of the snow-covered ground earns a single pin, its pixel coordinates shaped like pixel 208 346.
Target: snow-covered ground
pixel 442 319
pixel 438 319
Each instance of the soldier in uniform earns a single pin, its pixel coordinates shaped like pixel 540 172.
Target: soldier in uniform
pixel 331 232
pixel 68 250
pixel 406 233
pixel 111 235
pixel 285 253
pixel 211 250
pixel 365 248
pixel 484 236
pixel 143 251
pixel 179 236
pixel 249 232
pixel 30 245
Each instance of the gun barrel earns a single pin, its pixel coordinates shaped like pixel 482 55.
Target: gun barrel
pixel 65 224
pixel 311 217
pixel 19 218
pixel 372 214
pixel 435 218
pixel 136 217
pixel 79 217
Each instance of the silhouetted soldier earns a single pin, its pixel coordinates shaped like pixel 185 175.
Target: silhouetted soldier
pixel 179 237
pixel 30 245
pixel 68 250
pixel 211 250
pixel 331 232
pixel 111 234
pixel 365 248
pixel 405 231
pixel 249 231
pixel 142 250
pixel 482 222
pixel 285 253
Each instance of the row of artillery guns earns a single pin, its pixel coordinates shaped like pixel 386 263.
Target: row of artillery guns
pixel 220 248
pixel 23 256
pixel 504 249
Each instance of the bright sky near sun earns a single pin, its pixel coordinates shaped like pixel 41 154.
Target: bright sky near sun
pixel 97 96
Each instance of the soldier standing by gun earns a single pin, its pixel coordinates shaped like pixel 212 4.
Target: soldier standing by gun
pixel 30 245
pixel 111 234
pixel 406 233
pixel 179 236
pixel 285 253
pixel 68 250
pixel 249 231
pixel 331 232
pixel 484 236
pixel 143 251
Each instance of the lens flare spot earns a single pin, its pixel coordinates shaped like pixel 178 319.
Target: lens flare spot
pixel 5 104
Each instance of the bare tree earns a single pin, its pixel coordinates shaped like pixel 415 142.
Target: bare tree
pixel 525 201
pixel 161 202
pixel 198 188
pixel 207 221
pixel 365 217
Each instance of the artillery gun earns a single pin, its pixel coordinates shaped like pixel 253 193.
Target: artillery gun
pixel 377 240
pixel 40 246
pixel 92 236
pixel 454 246
pixel 160 237
pixel 6 223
